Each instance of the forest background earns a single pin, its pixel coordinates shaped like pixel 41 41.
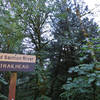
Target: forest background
pixel 66 44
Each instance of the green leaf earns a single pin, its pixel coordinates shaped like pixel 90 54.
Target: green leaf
pixel 3 97
pixel 3 81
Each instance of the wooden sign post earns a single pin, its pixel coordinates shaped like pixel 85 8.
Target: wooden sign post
pixel 15 63
pixel 12 87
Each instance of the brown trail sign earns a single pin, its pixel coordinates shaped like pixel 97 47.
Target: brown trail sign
pixel 15 63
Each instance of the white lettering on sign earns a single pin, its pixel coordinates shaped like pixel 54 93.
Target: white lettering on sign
pixel 17 58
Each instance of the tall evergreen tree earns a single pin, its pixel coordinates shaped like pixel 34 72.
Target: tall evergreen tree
pixel 69 39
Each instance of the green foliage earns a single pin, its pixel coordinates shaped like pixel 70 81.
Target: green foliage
pixel 65 69
pixel 2 80
pixel 3 97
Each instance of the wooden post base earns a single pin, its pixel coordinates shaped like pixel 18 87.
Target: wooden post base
pixel 12 87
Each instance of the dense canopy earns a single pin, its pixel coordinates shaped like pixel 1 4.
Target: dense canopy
pixel 66 44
